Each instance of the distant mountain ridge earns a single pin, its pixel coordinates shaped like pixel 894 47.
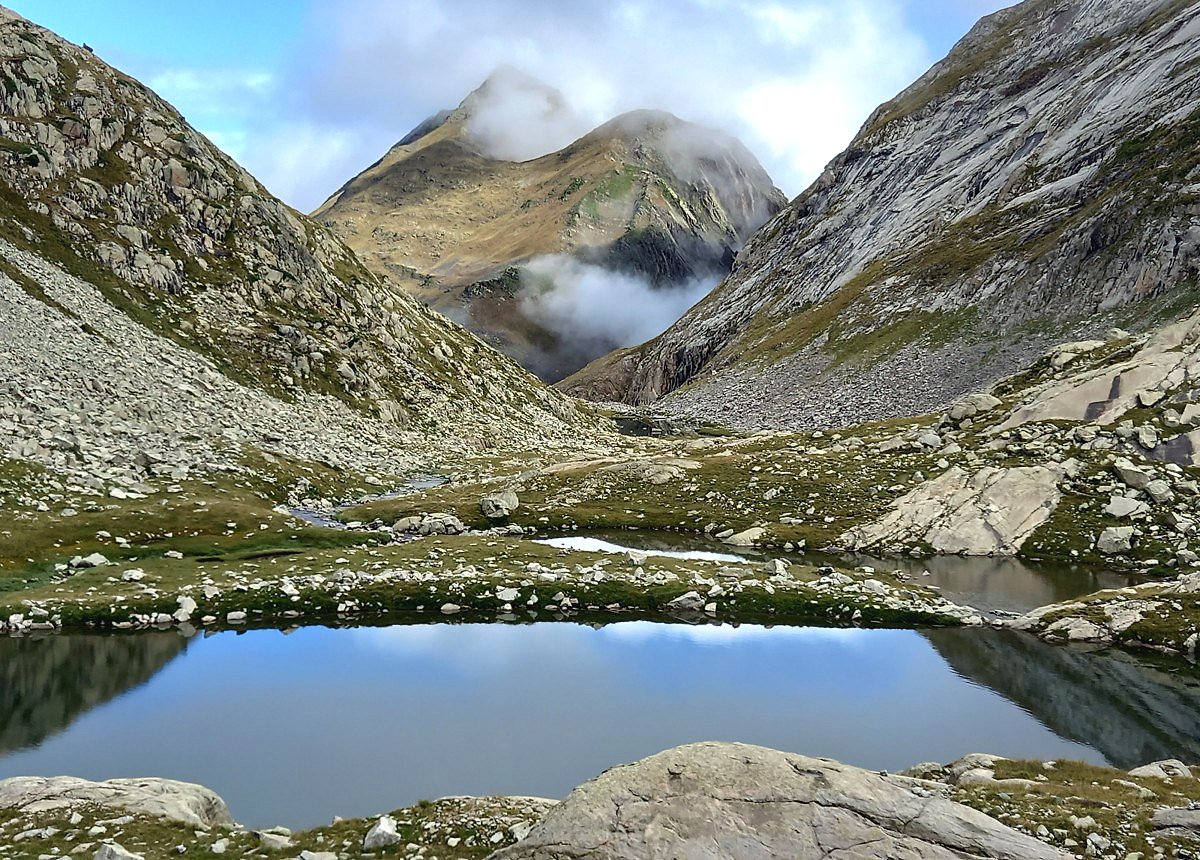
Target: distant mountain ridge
pixel 645 193
pixel 1036 185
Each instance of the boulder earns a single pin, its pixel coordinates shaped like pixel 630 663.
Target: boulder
pixel 1164 769
pixel 189 804
pixel 1123 506
pixel 1160 492
pixel 113 851
pixel 692 601
pixel 430 524
pixel 972 405
pixel 498 506
pixel 273 841
pixel 749 537
pixel 382 834
pixel 712 801
pixel 1113 541
pixel 1177 822
pixel 1131 475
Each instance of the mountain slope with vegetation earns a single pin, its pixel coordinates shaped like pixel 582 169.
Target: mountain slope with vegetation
pixel 1037 185
pixel 160 310
pixel 646 194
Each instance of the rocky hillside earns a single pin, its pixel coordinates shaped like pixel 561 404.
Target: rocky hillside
pixel 455 222
pixel 1037 184
pixel 156 303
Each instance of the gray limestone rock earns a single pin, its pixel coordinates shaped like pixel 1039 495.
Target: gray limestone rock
pixel 382 834
pixel 498 506
pixel 990 512
pixel 717 801
pixel 1115 540
pixel 179 801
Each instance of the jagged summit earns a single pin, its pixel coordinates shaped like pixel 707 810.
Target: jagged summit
pixel 1037 185
pixel 453 211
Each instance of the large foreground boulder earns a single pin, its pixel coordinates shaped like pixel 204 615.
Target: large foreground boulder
pixel 715 800
pixel 166 798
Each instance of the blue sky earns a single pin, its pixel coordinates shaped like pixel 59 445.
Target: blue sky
pixel 305 93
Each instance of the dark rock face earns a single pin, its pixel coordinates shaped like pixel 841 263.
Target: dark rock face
pixel 50 682
pixel 1035 184
pixel 1134 709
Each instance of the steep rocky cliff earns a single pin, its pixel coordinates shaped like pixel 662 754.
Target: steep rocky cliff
pixel 1038 182
pixel 152 292
pixel 443 213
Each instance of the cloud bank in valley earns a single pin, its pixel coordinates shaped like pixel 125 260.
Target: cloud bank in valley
pixel 594 310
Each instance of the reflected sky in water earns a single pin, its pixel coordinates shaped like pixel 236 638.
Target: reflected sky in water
pixel 293 729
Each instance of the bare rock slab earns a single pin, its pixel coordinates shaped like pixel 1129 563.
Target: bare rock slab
pixel 167 798
pixel 989 512
pixel 718 801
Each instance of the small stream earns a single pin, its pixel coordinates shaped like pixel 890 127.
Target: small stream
pixel 326 516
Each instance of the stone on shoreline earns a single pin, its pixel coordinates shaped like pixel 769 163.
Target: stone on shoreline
pixel 720 800
pixel 179 801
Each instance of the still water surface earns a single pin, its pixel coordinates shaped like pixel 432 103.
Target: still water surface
pixel 295 728
pixel 991 585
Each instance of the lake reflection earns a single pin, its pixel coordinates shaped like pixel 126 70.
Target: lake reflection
pixel 293 729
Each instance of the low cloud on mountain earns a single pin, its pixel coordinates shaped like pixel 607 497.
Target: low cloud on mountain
pixel 593 309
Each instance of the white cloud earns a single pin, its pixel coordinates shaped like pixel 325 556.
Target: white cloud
pixel 793 80
pixel 597 309
pixel 720 634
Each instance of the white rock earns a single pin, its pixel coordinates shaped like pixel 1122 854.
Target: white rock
pixel 382 834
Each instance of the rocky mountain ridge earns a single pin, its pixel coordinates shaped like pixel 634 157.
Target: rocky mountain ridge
pixel 645 193
pixel 157 300
pixel 1037 185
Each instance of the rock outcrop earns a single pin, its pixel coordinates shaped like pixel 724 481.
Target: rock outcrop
pixel 1037 183
pixel 455 221
pixel 1160 614
pixel 714 800
pixel 990 512
pixel 165 798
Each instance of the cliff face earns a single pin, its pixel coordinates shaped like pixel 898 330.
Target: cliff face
pixel 143 272
pixel 1037 182
pixel 454 222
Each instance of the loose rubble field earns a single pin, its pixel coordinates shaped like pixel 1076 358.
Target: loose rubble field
pixel 447 829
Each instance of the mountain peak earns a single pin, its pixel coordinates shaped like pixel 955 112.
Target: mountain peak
pixel 513 116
